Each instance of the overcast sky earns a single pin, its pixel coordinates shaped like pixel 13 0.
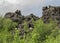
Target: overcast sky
pixel 26 6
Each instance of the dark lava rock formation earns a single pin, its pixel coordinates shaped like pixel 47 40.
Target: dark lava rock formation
pixel 51 12
pixel 19 19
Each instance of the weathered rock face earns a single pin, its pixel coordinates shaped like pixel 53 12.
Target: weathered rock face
pixel 32 16
pixel 16 16
pixel 51 12
pixel 29 18
pixel 19 18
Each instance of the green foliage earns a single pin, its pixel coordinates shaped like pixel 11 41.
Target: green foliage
pixel 42 33
pixel 6 27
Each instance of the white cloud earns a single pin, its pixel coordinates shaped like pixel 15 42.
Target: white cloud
pixel 12 5
pixel 1 1
pixel 14 1
pixel 22 2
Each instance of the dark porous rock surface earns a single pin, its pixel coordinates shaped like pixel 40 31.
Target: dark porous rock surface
pixel 20 19
pixel 51 12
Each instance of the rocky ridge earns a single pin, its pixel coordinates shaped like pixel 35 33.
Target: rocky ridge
pixel 20 19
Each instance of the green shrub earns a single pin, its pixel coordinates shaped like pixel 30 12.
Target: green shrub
pixel 42 33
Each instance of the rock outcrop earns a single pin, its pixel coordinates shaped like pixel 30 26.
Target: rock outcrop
pixel 15 16
pixel 51 12
pixel 19 19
